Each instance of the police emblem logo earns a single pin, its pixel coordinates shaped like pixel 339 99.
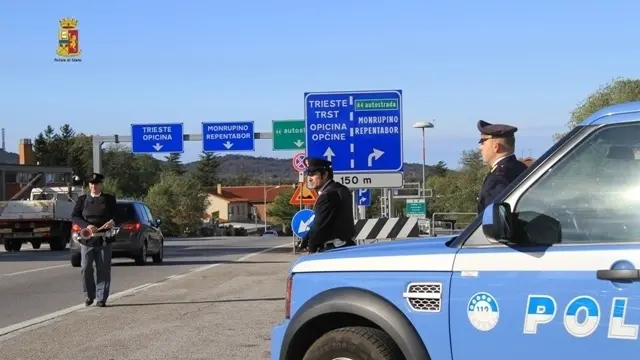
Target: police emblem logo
pixel 68 41
pixel 483 311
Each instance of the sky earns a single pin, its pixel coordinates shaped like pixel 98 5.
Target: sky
pixel 524 63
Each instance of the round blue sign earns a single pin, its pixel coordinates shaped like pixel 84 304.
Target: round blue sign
pixel 302 221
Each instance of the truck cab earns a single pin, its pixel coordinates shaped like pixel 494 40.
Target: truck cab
pixel 550 270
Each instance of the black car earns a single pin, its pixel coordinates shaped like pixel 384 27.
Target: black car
pixel 139 236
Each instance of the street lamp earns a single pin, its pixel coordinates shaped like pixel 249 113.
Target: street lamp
pixel 265 205
pixel 423 125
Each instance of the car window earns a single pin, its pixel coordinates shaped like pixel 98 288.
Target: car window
pixel 124 213
pixel 592 194
pixel 142 213
pixel 148 212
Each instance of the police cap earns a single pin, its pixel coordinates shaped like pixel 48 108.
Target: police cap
pixel 496 130
pixel 96 178
pixel 316 164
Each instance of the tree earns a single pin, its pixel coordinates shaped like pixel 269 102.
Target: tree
pixel 178 202
pixel 173 164
pixel 439 169
pixel 618 91
pixel 206 172
pixel 280 209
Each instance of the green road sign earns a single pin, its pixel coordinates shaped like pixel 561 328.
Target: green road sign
pixel 416 208
pixel 288 134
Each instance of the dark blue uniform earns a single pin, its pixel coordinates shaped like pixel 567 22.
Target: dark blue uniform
pixel 333 225
pixel 504 171
pixel 96 211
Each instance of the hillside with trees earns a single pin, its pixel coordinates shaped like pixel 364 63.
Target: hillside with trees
pixel 173 189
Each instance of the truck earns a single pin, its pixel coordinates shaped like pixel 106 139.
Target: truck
pixel 549 270
pixel 44 218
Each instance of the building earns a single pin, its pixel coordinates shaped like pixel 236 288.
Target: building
pixel 239 203
pixel 14 177
pixel 528 161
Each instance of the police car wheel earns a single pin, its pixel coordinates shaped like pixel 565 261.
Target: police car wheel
pixel 354 343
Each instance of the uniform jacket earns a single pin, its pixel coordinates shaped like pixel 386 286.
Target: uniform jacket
pixel 502 174
pixel 333 217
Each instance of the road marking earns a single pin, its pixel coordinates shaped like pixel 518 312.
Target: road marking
pixel 34 270
pixel 32 324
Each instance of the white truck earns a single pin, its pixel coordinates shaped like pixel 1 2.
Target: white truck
pixel 45 217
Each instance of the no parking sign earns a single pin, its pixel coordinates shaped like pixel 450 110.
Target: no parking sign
pixel 298 162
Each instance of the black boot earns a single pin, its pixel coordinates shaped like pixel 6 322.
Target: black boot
pixel 88 302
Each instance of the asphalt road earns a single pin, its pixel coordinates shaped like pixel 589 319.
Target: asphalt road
pixel 38 282
pixel 221 312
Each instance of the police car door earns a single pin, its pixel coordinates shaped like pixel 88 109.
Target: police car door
pixel 578 297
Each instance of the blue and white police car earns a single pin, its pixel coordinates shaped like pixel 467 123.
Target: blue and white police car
pixel 548 271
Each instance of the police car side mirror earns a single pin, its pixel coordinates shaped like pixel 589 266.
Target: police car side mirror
pixel 497 222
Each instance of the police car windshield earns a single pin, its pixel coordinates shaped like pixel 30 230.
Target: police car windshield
pixel 459 240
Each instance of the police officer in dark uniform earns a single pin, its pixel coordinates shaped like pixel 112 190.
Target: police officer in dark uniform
pixel 333 225
pixel 96 211
pixel 497 145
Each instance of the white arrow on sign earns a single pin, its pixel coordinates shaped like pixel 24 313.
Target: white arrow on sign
pixel 305 225
pixel 363 199
pixel 228 145
pixel 330 154
pixel 374 155
pixel 157 146
pixel 299 143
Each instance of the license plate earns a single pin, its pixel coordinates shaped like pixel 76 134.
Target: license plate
pixel 22 234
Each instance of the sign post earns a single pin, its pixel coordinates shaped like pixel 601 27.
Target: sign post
pixel 157 138
pixel 288 134
pixel 360 132
pixel 228 136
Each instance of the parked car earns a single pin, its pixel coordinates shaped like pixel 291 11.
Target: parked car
pixel 139 236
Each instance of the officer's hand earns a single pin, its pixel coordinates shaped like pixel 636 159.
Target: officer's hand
pixel 108 225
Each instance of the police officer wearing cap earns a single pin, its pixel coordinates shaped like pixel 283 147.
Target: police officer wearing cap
pixel 497 145
pixel 96 211
pixel 333 224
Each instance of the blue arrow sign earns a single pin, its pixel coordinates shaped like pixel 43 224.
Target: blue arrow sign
pixel 228 136
pixel 360 132
pixel 364 197
pixel 302 221
pixel 157 138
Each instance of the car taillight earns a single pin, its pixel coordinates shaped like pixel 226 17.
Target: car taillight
pixel 76 228
pixel 132 226
pixel 287 297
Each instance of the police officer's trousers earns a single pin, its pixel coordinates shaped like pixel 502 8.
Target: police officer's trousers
pixel 96 289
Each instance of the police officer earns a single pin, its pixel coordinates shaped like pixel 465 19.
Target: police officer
pixel 333 224
pixel 497 145
pixel 97 212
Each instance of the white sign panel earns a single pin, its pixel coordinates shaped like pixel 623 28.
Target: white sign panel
pixel 370 181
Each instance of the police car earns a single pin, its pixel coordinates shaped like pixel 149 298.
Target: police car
pixel 548 271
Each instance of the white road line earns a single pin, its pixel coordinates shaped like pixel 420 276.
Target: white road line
pixel 48 317
pixel 34 270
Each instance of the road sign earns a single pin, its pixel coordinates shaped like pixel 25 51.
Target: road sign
pixel 157 138
pixel 301 222
pixel 371 181
pixel 360 132
pixel 288 134
pixel 308 196
pixel 416 208
pixel 228 136
pixel 364 197
pixel 298 162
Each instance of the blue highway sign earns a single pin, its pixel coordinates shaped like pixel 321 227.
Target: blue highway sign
pixel 364 197
pixel 360 131
pixel 302 221
pixel 157 138
pixel 228 136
